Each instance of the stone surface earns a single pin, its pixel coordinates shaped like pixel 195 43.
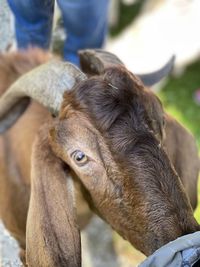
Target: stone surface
pixel 6 29
pixel 8 250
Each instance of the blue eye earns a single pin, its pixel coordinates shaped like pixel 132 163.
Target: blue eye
pixel 79 157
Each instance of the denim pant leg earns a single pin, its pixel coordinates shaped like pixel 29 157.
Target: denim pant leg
pixel 85 23
pixel 33 22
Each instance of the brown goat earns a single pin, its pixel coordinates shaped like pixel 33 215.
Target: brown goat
pixel 113 137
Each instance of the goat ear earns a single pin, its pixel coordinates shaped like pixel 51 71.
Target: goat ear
pixel 95 61
pixel 53 237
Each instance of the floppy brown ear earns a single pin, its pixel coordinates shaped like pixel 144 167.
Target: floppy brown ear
pixel 53 237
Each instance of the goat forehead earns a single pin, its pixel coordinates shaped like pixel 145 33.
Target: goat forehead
pixel 77 132
pixel 119 114
pixel 107 105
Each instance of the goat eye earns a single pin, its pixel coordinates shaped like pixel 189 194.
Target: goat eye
pixel 79 157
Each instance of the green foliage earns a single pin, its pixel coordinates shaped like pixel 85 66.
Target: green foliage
pixel 178 98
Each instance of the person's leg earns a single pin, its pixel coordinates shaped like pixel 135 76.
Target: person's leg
pixel 85 22
pixel 33 22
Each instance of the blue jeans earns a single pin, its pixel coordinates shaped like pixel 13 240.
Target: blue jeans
pixel 85 22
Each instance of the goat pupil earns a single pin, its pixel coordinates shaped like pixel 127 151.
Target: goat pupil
pixel 80 156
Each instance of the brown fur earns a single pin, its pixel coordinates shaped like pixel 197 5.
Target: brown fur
pixel 13 65
pixel 51 211
pixel 134 186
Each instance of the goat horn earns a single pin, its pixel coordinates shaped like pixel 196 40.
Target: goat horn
pixel 45 84
pixel 152 78
pixel 95 61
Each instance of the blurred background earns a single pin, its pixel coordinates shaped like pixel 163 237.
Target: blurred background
pixel 143 34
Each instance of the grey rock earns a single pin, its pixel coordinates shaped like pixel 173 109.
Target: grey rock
pixel 8 250
pixel 6 28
